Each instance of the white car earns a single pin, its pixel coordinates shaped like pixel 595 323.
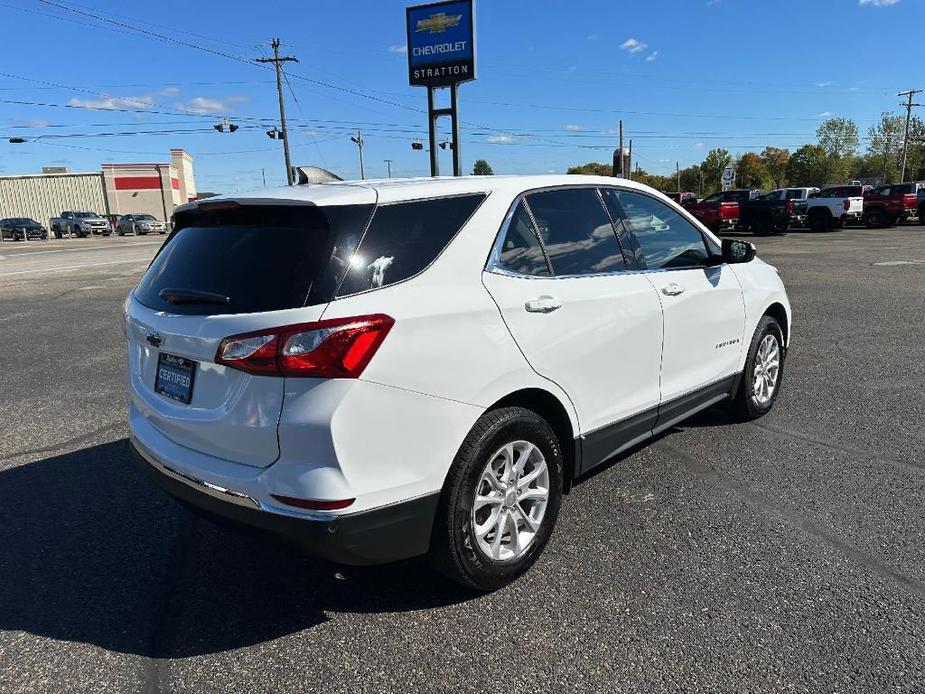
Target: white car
pixel 384 369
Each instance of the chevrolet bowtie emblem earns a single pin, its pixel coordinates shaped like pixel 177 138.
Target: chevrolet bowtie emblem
pixel 438 23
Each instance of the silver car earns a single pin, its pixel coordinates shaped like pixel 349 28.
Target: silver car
pixel 139 224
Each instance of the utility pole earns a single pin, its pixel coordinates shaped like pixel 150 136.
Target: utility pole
pixel 677 170
pixel 621 169
pixel 358 141
pixel 388 162
pixel 277 62
pixel 629 162
pixel 909 93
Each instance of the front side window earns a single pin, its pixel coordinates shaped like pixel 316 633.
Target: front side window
pixel 666 239
pixel 404 238
pixel 576 231
pixel 774 195
pixel 794 194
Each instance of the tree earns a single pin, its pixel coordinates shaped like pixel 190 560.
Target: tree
pixel 482 168
pixel 809 166
pixel 712 167
pixel 885 144
pixel 838 137
pixel 593 169
pixel 751 172
pixel 775 161
pixel 690 179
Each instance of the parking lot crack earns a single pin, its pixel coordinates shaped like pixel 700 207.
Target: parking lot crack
pixel 791 516
pixel 858 453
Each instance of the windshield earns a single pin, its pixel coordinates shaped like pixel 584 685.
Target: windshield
pixel 144 218
pixel 86 215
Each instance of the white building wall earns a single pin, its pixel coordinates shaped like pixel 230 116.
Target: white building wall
pixel 43 196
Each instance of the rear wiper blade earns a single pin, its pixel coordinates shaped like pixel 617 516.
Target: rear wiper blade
pixel 192 296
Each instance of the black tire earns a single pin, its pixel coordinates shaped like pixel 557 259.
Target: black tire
pixel 874 219
pixel 56 232
pixel 746 405
pixel 820 221
pixel 454 551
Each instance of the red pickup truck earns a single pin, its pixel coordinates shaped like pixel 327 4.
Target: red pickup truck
pixel 720 210
pixel 886 205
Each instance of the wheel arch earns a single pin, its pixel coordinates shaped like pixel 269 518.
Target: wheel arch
pixel 779 313
pixel 550 408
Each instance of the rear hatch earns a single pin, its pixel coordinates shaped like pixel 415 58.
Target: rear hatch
pixel 854 205
pixel 228 269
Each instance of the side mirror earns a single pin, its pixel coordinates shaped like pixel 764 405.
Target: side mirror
pixel 736 251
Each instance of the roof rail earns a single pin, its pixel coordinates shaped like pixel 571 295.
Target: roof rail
pixel 312 175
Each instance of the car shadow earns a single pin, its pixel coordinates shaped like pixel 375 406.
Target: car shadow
pixel 91 552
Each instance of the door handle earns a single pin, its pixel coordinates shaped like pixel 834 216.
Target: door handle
pixel 672 289
pixel 543 304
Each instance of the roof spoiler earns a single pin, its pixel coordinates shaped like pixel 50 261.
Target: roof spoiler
pixel 312 175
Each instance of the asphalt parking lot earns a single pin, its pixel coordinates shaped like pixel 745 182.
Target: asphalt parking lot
pixel 783 555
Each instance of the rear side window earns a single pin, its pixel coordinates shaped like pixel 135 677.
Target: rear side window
pixel 253 258
pixel 795 194
pixel 521 251
pixel 576 231
pixel 404 238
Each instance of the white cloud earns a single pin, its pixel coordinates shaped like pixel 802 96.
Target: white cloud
pixel 877 3
pixel 572 126
pixel 202 106
pixel 398 48
pixel 169 91
pixel 827 83
pixel 825 114
pixel 632 45
pixel 699 145
pixel 114 102
pixel 652 56
pixel 503 139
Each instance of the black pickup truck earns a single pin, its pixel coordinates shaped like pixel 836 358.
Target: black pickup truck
pixel 766 214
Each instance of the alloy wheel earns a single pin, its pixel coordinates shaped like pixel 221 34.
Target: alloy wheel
pixel 510 501
pixel 767 369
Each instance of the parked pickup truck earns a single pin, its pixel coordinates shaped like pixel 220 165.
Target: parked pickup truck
pixel 721 210
pixel 774 211
pixel 832 208
pixel 886 205
pixel 79 224
pixel 684 199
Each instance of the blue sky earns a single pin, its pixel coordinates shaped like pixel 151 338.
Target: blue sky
pixel 553 81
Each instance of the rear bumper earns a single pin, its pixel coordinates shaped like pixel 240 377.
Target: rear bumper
pixel 378 536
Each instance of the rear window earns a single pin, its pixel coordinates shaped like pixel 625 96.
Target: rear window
pixel 253 258
pixel 404 238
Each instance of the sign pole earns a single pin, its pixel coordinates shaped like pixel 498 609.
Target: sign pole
pixel 457 166
pixel 432 132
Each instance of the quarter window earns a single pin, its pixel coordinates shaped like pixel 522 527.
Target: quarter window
pixel 404 238
pixel 576 231
pixel 666 239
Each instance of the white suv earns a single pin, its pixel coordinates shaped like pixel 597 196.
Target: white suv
pixel 383 369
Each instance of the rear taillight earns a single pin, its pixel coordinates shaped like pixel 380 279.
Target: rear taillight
pixel 910 200
pixel 790 206
pixel 846 204
pixel 337 348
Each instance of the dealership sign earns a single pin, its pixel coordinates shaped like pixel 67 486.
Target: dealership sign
pixel 441 43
